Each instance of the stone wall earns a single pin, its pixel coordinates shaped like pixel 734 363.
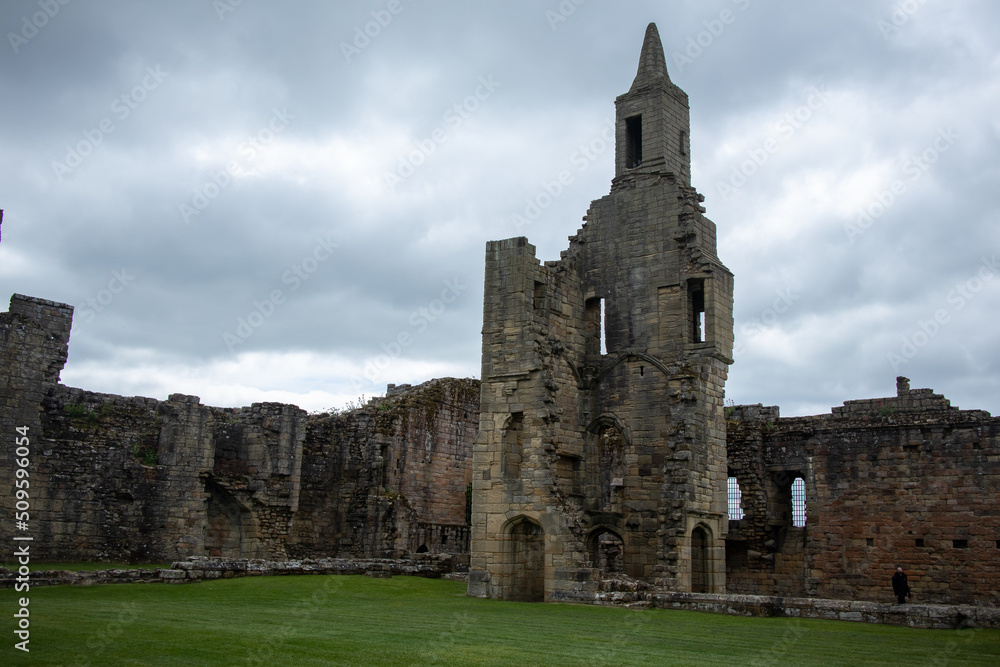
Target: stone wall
pixel 904 481
pixel 391 478
pixel 133 479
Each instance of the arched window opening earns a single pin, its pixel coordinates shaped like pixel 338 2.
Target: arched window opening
pixel 612 468
pixel 735 499
pixel 699 561
pixel 513 446
pixel 607 552
pixel 798 502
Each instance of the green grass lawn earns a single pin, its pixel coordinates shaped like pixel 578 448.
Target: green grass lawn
pixel 355 620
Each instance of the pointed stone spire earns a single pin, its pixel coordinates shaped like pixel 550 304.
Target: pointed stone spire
pixel 652 64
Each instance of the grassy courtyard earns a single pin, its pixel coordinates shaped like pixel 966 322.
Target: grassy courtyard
pixel 355 620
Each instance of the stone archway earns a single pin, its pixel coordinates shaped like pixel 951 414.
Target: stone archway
pixel 525 561
pixel 606 551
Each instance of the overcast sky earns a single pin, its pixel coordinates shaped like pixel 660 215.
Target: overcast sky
pixel 251 201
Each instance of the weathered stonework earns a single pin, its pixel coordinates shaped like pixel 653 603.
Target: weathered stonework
pixel 597 474
pixel 132 479
pixel 902 481
pixel 591 460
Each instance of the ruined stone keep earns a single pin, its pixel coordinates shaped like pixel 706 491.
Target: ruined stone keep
pixel 602 433
pixel 596 449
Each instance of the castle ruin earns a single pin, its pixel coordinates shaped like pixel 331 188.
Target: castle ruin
pixel 596 448
pixel 602 430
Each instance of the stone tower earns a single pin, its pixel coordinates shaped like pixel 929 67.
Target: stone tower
pixel 602 441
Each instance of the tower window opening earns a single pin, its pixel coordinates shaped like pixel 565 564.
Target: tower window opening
pixel 603 330
pixel 513 447
pixel 735 499
pixel 799 502
pixel 538 300
pixel 696 292
pixel 633 141
pixel 596 327
pixel 683 142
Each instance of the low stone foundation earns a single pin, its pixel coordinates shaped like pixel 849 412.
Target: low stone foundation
pixel 912 615
pixel 83 577
pixel 196 568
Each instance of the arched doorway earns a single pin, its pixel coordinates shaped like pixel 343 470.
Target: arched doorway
pixel 525 549
pixel 700 574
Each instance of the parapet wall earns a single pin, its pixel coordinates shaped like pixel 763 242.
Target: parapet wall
pixel 906 481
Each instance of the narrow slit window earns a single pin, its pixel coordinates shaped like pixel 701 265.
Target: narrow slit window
pixel 799 502
pixel 595 327
pixel 683 142
pixel 539 297
pixel 735 499
pixel 696 303
pixel 633 141
pixel 603 331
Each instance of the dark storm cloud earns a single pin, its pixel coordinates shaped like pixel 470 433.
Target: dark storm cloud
pixel 235 151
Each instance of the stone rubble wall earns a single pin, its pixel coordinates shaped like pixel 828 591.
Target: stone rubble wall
pixel 906 481
pixel 391 477
pixel 134 479
pixel 433 566
pixel 936 616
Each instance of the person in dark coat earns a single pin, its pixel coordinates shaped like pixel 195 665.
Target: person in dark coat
pixel 899 586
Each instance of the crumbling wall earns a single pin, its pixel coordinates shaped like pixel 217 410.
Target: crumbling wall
pixel 904 481
pixel 391 478
pixel 136 479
